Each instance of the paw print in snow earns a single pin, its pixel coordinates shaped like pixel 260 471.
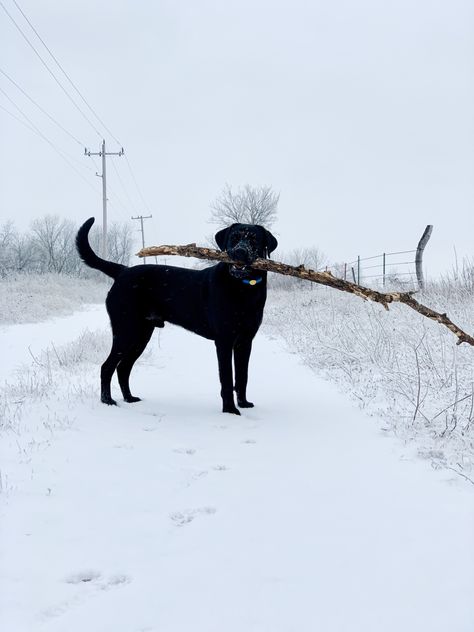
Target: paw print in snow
pixel 180 518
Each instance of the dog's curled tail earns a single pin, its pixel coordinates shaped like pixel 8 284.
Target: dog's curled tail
pixel 90 258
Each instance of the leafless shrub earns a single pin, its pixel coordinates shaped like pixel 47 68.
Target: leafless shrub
pixel 310 257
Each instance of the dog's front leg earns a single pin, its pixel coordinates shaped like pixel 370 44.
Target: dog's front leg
pixel 224 358
pixel 242 350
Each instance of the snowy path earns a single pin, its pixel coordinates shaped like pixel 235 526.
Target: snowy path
pixel 168 516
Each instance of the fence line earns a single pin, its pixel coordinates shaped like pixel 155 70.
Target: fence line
pixel 388 269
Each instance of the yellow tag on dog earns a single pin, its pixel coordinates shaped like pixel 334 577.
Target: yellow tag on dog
pixel 253 282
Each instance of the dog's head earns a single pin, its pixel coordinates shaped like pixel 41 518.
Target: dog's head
pixel 245 243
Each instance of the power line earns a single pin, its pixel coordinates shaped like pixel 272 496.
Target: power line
pixel 68 95
pixel 17 118
pixel 49 69
pixel 37 131
pixel 65 73
pixel 123 186
pixel 40 108
pixel 112 195
pixel 136 184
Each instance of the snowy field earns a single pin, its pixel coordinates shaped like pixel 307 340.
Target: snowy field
pixel 303 514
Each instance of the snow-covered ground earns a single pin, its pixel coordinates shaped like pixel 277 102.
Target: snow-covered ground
pixel 167 515
pixel 395 364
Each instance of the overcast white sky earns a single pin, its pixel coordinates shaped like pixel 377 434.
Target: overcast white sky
pixel 360 113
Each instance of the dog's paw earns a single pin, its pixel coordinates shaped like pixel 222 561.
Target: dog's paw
pixel 132 399
pixel 108 400
pixel 243 403
pixel 231 409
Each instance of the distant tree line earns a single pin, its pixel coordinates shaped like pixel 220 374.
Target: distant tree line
pixel 49 246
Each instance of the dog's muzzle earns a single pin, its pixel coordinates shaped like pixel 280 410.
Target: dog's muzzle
pixel 241 253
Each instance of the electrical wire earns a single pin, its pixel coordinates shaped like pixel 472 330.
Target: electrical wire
pixel 111 194
pixel 37 131
pixel 72 101
pixel 49 70
pixel 17 118
pixel 65 73
pixel 123 187
pixel 136 185
pixel 51 118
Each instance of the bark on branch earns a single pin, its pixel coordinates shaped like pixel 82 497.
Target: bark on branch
pixel 323 278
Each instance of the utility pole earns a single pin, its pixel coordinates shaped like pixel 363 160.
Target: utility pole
pixel 103 154
pixel 141 218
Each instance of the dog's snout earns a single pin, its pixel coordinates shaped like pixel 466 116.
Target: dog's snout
pixel 241 252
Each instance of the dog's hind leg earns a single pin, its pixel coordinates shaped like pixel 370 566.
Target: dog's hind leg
pixel 242 350
pixel 224 357
pixel 107 370
pixel 129 358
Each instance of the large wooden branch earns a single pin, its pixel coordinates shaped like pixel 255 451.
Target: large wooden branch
pixel 323 278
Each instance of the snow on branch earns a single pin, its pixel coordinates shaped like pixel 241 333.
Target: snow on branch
pixel 323 278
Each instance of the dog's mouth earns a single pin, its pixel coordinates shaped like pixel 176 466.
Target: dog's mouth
pixel 239 272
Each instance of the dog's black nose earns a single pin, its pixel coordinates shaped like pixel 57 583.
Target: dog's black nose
pixel 241 253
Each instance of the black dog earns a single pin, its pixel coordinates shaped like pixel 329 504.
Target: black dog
pixel 223 303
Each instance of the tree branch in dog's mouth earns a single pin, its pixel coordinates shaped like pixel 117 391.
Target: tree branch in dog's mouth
pixel 322 278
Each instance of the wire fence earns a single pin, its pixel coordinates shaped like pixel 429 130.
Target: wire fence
pixel 387 268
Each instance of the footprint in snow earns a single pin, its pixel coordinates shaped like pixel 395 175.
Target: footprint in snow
pixel 197 475
pixel 115 580
pixel 180 518
pixel 95 578
pixel 188 451
pixel 84 577
pixel 249 441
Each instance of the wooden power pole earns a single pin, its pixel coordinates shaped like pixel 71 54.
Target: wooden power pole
pixel 141 218
pixel 419 255
pixel 103 154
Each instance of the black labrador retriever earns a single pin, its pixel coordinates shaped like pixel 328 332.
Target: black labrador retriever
pixel 223 303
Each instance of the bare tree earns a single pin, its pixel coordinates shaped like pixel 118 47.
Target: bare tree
pixel 50 247
pixel 24 254
pixel 309 257
pixel 54 241
pixel 247 205
pixel 7 238
pixel 119 243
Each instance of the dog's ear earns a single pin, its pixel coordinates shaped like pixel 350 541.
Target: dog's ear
pixel 271 242
pixel 222 236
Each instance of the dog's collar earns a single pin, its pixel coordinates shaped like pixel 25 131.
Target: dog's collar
pixel 252 281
